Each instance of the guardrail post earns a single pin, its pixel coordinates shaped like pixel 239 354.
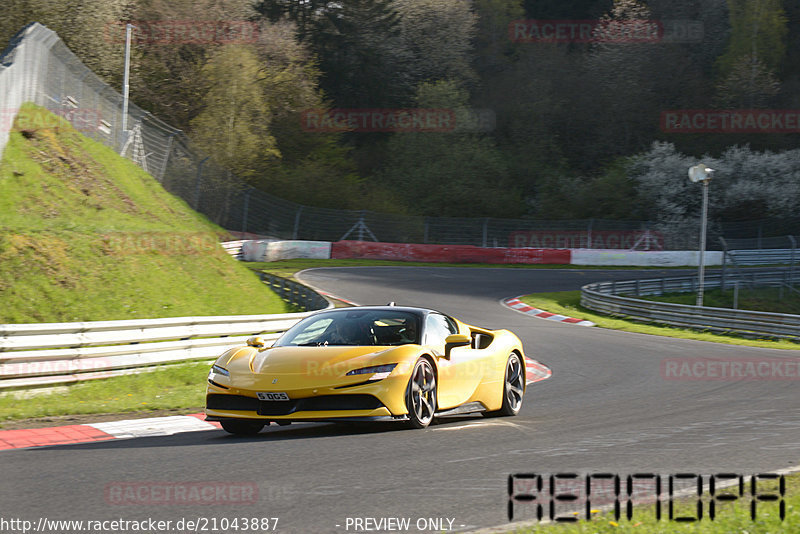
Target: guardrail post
pixel 724 262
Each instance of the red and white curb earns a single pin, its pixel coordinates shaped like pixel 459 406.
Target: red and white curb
pixel 536 372
pixel 87 433
pixel 515 304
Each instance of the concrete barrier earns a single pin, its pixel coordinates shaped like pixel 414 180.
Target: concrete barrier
pixel 642 258
pixel 447 253
pixel 285 250
pixel 270 250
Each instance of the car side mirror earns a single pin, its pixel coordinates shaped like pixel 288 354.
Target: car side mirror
pixel 256 342
pixel 455 340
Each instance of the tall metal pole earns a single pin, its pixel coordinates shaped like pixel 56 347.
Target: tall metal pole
pixel 126 81
pixel 702 265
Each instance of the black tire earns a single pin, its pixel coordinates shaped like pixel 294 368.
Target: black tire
pixel 242 428
pixel 513 388
pixel 421 394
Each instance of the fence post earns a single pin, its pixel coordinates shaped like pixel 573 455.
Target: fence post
pixel 724 262
pixel 197 183
pixel 245 208
pixel 791 260
pixel 296 231
pixel 589 234
pixel 485 232
pixel 160 176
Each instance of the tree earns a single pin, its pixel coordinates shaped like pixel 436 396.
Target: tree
pixel 166 67
pixel 455 174
pixel 758 29
pixel 361 54
pixel 438 35
pixel 233 127
pixel 83 25
pixel 628 83
pixel 749 84
pixel 747 184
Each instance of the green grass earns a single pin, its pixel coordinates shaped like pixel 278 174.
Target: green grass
pixel 730 517
pixel 166 387
pixel 87 235
pixel 568 303
pixel 768 299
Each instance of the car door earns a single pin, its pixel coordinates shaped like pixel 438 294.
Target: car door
pixel 460 375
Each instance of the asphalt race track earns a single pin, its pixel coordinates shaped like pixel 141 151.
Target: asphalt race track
pixel 606 408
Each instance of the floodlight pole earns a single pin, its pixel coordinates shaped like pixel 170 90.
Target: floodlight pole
pixel 701 173
pixel 126 81
pixel 701 269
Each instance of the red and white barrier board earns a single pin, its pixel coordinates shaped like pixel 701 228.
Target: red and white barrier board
pixel 264 250
pixel 447 253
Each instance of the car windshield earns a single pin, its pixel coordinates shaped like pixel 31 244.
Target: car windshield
pixel 354 327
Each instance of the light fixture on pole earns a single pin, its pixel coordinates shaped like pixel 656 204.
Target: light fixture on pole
pixel 701 173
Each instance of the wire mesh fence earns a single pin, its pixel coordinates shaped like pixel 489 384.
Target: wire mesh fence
pixel 37 67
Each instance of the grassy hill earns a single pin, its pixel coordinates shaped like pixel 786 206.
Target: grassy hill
pixel 87 235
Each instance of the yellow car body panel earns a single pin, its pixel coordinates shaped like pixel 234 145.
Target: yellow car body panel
pixel 311 383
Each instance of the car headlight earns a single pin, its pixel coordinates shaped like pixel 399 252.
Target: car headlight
pixel 378 372
pixel 217 371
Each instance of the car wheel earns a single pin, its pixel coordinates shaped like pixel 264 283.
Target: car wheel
pixel 242 428
pixel 421 394
pixel 513 388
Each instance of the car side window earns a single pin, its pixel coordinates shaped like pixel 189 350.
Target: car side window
pixel 437 328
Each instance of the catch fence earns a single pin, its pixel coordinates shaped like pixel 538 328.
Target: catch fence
pixel 37 67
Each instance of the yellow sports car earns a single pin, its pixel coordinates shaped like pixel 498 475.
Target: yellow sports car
pixel 368 363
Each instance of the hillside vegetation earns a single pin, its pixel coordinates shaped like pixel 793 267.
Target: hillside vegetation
pixel 86 235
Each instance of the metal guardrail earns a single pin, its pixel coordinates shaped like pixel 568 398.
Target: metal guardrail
pixel 61 353
pixel 234 248
pixel 57 353
pixel 297 295
pixel 778 256
pixel 606 297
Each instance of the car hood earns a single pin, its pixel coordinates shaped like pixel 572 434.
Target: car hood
pixel 304 360
pixel 311 366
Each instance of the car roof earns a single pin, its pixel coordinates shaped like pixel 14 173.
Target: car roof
pixel 408 309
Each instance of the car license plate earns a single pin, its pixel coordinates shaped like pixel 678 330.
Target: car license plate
pixel 272 396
